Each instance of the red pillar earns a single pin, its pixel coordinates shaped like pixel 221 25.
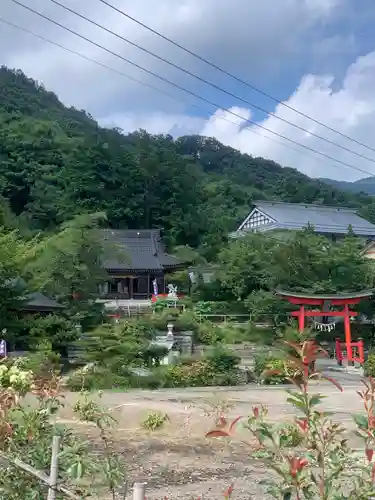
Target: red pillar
pixel 338 352
pixel 348 337
pixel 301 319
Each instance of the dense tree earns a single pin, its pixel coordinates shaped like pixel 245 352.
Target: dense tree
pixel 15 254
pixel 56 162
pixel 251 268
pixel 309 262
pixel 246 265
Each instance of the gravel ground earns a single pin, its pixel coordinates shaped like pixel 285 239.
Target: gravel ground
pixel 178 461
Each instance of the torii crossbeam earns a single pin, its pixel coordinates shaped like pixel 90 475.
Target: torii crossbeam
pixel 326 303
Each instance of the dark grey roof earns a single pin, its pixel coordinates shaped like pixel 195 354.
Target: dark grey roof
pixel 136 250
pixel 36 301
pixel 325 219
pixel 327 296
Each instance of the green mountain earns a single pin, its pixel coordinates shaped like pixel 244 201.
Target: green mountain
pixel 365 185
pixel 56 162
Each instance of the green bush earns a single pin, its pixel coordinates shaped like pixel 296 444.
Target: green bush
pixel 369 366
pixel 160 305
pixel 259 335
pixel 42 362
pixel 216 368
pixel 154 420
pixel 264 362
pixel 96 379
pixel 260 363
pixel 153 381
pixel 185 320
pixel 57 330
pixel 208 333
pixel 275 378
pixel 222 360
pixel 290 435
pixel 197 374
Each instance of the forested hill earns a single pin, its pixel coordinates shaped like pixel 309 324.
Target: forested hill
pixel 56 161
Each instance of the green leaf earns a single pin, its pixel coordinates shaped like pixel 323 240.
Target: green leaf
pixel 316 399
pixel 360 420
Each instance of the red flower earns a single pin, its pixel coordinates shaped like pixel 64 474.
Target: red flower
pixel 296 465
pixel 256 411
pixel 369 454
pixel 229 491
pixel 303 424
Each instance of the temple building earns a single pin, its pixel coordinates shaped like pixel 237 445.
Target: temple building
pixel 38 303
pixel 281 218
pixel 138 263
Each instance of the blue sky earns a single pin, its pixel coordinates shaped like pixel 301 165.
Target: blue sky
pixel 316 55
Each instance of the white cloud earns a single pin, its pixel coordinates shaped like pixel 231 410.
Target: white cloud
pixel 349 109
pixel 155 123
pixel 248 37
pixel 255 40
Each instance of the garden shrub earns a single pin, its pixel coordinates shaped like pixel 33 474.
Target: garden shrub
pixel 154 420
pixel 219 367
pixel 271 362
pixel 43 362
pixel 96 378
pixel 152 381
pixel 273 366
pixel 263 335
pixel 27 429
pixel 57 330
pixel 369 366
pixel 310 456
pixel 208 333
pixel 222 360
pixel 198 374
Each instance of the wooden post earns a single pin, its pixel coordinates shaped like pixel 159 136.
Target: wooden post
pixel 54 471
pixel 139 491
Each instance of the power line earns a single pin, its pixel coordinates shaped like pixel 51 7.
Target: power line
pixel 105 66
pixel 207 82
pixel 189 91
pixel 231 75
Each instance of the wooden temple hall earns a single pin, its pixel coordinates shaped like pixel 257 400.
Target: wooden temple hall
pixel 137 261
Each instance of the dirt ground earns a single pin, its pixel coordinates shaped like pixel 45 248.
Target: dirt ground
pixel 178 461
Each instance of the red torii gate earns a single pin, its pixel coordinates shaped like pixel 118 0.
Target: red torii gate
pixel 325 302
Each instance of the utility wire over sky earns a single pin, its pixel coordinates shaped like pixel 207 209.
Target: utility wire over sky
pixel 207 82
pixel 231 75
pixel 156 89
pixel 175 85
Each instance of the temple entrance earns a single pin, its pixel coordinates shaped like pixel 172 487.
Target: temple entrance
pixel 131 287
pixel 326 310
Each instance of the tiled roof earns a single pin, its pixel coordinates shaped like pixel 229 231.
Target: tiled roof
pixel 337 296
pixel 325 219
pixel 136 250
pixel 38 302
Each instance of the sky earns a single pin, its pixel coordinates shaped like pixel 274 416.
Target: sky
pixel 316 56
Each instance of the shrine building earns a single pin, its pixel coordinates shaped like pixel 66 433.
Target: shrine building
pixel 281 218
pixel 138 263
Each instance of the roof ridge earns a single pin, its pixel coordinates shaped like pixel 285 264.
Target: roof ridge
pixel 306 205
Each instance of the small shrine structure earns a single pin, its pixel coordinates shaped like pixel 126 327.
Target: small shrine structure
pixel 325 309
